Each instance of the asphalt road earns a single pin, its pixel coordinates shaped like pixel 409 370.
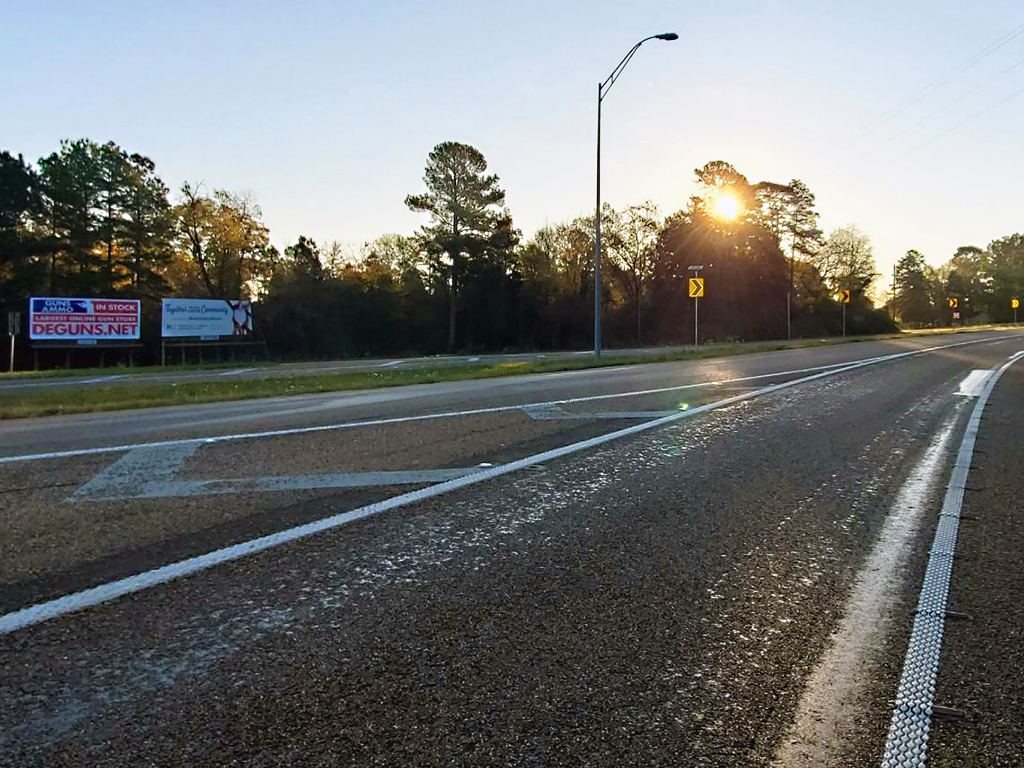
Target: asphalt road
pixel 18 384
pixel 706 563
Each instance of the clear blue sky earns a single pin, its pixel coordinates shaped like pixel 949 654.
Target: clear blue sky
pixel 326 111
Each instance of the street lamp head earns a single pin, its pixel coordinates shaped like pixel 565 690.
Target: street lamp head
pixel 667 36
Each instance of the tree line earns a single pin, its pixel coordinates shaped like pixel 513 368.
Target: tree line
pixel 982 283
pixel 94 220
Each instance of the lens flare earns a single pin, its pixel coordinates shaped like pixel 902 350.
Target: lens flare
pixel 726 206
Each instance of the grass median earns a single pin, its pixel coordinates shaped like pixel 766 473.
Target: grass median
pixel 141 394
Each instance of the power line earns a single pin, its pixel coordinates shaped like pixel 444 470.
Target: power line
pixel 938 83
pixel 938 136
pixel 962 123
pixel 838 157
pixel 946 106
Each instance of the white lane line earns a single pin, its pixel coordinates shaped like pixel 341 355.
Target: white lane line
pixel 836 691
pixel 974 384
pixel 388 365
pixel 101 379
pixel 167 488
pixel 405 419
pixel 478 411
pixel 61 383
pixel 60 606
pixel 235 373
pixel 907 742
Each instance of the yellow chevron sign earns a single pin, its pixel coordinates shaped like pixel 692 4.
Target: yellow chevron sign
pixel 696 287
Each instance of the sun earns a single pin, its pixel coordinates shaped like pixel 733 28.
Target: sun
pixel 726 206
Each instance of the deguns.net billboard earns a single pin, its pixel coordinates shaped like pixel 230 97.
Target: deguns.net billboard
pixel 205 318
pixel 76 320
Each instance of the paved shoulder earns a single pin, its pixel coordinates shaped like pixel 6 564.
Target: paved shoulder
pixel 980 670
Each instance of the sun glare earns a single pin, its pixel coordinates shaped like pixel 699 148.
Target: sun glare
pixel 726 206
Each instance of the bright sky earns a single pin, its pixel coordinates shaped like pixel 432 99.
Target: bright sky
pixel 326 110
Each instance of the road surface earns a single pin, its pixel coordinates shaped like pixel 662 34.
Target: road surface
pixel 705 563
pixel 38 383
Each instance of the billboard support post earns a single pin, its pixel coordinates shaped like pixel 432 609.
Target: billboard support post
pixel 13 325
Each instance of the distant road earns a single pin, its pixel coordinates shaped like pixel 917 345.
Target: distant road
pixel 266 371
pixel 710 562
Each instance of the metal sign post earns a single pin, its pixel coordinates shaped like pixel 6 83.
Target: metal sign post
pixel 13 324
pixel 696 292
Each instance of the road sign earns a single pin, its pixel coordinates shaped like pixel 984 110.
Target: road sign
pixel 696 287
pixel 953 303
pixel 956 315
pixel 843 296
pixel 1014 303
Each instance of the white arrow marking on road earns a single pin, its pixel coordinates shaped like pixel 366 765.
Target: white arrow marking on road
pixel 974 384
pixel 555 413
pixel 51 609
pixel 163 489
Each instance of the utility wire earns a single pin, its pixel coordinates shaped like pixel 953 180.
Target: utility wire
pixel 946 106
pixel 838 159
pixel 966 64
pixel 962 123
pixel 938 136
pixel 938 83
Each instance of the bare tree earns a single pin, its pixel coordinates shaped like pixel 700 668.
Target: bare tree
pixel 846 260
pixel 634 235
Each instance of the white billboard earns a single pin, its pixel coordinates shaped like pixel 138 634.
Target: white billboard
pixel 205 318
pixel 60 319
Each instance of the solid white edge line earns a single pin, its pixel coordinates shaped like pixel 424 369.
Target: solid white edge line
pixel 475 411
pixel 911 719
pixel 52 609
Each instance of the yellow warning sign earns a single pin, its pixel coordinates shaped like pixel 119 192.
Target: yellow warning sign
pixel 1014 303
pixel 843 296
pixel 954 303
pixel 696 287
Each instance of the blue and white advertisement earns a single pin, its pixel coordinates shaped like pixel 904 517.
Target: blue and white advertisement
pixel 205 318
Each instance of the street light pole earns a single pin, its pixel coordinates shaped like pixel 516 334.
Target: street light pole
pixel 597 238
pixel 602 91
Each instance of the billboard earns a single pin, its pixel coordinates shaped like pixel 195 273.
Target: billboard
pixel 83 319
pixel 205 318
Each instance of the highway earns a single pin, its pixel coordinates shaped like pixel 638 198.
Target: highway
pixel 705 563
pixel 262 370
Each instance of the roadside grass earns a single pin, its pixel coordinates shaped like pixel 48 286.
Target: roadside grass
pixel 142 371
pixel 149 395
